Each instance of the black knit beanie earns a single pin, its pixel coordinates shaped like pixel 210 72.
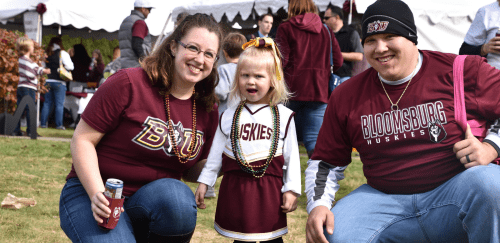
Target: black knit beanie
pixel 389 16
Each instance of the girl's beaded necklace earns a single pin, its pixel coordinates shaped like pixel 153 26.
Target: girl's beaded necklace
pixel 182 159
pixel 236 146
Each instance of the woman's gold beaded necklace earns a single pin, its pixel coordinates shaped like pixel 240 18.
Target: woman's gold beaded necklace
pixel 182 159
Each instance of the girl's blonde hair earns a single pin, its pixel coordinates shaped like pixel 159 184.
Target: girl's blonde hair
pixel 23 45
pixel 278 93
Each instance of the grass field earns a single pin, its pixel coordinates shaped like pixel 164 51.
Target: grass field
pixel 38 168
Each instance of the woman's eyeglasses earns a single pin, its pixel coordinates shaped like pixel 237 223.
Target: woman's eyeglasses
pixel 326 18
pixel 209 55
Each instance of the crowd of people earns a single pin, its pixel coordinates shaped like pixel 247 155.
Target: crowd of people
pixel 426 126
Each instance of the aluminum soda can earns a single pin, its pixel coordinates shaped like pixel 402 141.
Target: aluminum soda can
pixel 114 188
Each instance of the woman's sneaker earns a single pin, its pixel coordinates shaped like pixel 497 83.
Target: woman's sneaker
pixel 61 128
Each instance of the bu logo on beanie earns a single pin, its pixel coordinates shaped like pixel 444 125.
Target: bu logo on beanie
pixel 377 26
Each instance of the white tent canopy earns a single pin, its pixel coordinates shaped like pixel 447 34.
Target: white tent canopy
pixel 243 7
pixel 93 14
pixel 441 24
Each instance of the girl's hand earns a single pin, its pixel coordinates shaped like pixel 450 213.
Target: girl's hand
pixel 100 207
pixel 289 202
pixel 200 195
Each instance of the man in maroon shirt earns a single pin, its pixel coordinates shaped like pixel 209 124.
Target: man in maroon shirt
pixel 425 182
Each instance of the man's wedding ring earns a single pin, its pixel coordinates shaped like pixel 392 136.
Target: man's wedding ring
pixel 468 159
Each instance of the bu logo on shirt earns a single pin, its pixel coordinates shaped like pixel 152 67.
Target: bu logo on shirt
pixel 436 131
pixel 155 136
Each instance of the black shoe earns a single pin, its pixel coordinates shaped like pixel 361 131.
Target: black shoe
pixel 37 135
pixel 19 133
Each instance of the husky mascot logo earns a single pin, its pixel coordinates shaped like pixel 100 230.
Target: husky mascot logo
pixel 436 131
pixel 178 131
pixel 377 26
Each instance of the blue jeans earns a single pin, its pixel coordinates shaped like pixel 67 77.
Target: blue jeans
pixel 56 95
pixel 336 82
pixel 165 207
pixel 21 92
pixel 466 208
pixel 308 120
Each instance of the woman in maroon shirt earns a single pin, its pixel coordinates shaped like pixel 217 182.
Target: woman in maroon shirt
pixel 305 44
pixel 149 127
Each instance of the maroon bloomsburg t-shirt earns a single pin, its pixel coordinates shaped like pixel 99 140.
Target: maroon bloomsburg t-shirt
pixel 410 150
pixel 136 148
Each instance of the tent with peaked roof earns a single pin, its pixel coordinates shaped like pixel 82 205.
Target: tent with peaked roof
pixel 441 24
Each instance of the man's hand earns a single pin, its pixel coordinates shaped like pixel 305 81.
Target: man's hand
pixel 472 152
pixel 289 202
pixel 319 217
pixel 492 46
pixel 199 196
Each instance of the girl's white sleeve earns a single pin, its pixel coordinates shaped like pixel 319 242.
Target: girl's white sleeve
pixel 66 60
pixel 214 161
pixel 291 168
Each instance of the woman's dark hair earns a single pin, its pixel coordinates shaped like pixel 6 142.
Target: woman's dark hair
pixel 50 48
pixel 160 64
pixel 81 60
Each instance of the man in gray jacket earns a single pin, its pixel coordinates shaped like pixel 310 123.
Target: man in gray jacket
pixel 134 37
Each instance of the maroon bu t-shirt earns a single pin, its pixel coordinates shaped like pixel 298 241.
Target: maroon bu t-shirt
pixel 410 150
pixel 135 147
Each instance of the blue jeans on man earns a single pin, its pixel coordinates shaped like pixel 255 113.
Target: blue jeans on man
pixel 21 92
pixel 463 209
pixel 56 97
pixel 165 207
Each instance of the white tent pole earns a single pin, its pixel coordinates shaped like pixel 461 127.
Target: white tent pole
pixel 39 41
pixel 350 13
pixel 59 30
pixel 162 31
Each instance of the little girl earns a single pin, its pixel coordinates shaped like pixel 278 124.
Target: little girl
pixel 256 146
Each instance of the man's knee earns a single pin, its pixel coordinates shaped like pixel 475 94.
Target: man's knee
pixel 485 180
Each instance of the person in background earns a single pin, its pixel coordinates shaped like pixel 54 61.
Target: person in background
pixel 428 179
pixel 96 68
pixel 28 82
pixel 81 61
pixel 133 35
pixel 112 66
pixel 359 67
pixel 148 126
pixel 349 43
pixel 55 84
pixel 265 23
pixel 481 38
pixel 305 44
pixel 231 47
